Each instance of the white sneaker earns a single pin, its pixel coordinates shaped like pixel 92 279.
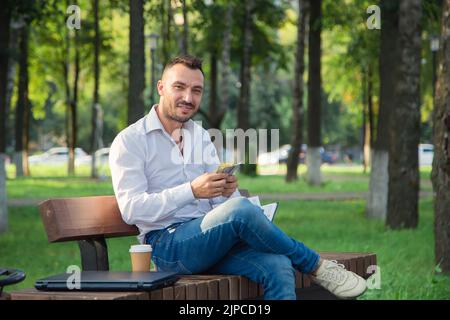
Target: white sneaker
pixel 342 283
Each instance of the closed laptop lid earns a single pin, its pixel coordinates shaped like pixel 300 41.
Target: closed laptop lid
pixel 107 280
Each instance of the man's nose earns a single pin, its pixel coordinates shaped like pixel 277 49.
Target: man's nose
pixel 188 96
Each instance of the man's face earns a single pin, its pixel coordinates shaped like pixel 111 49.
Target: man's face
pixel 181 90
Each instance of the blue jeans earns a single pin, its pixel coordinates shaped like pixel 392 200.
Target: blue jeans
pixel 234 238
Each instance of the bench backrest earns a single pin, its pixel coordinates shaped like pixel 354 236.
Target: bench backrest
pixel 86 218
pixel 83 218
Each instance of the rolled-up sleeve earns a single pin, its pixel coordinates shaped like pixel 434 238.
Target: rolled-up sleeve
pixel 127 162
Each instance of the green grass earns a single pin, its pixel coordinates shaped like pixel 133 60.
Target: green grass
pixel 42 170
pixel 277 184
pixel 41 188
pixel 405 257
pixel 51 181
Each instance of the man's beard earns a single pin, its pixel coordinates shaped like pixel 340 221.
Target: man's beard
pixel 171 114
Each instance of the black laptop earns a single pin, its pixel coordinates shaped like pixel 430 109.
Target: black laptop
pixel 108 281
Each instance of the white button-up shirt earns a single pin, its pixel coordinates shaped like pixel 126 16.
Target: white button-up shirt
pixel 151 178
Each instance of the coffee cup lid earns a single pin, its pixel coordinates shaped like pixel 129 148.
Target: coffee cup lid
pixel 141 248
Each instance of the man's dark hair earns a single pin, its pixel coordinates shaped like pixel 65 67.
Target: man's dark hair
pixel 189 61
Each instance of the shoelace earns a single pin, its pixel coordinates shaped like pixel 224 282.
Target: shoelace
pixel 336 272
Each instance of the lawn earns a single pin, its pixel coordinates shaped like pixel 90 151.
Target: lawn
pixel 50 182
pixel 405 258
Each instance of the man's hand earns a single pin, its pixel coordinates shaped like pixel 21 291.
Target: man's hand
pixel 209 185
pixel 231 186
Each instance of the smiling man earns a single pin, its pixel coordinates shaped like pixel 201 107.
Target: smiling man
pixel 195 219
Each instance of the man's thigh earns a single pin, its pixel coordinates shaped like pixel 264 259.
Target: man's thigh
pixel 198 244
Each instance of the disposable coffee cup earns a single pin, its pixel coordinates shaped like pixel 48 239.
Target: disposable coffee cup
pixel 141 255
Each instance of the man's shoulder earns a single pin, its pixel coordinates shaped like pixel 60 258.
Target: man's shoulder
pixel 134 132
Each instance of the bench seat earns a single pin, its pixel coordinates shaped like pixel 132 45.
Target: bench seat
pixel 212 287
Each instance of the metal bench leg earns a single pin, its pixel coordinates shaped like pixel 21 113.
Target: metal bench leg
pixel 94 254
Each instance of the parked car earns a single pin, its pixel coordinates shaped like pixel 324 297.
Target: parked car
pixel 326 157
pixel 274 157
pixel 59 155
pixel 102 156
pixel 426 152
pixel 281 155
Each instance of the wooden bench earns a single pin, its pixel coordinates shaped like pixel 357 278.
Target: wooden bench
pixel 90 220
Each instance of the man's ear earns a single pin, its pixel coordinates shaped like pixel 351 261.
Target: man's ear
pixel 160 87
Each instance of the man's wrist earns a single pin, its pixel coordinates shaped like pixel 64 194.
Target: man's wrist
pixel 192 188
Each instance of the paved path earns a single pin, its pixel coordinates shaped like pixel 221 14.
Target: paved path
pixel 323 195
pixel 263 196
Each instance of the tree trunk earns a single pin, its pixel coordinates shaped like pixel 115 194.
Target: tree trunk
pixel 26 138
pixel 136 107
pixel 368 118
pixel 404 139
pixel 313 158
pixel 213 112
pixel 245 78
pixel 73 107
pixel 226 45
pixel 3 199
pixel 66 71
pixel 223 104
pixel 95 100
pixel 184 41
pixel 297 102
pixel 441 162
pixel 10 84
pixel 5 19
pixel 166 14
pixel 378 186
pixel 27 104
pixel 216 110
pixel 370 106
pixel 366 140
pixel 23 108
pixel 370 114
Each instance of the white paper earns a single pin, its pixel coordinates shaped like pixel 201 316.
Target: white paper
pixel 269 210
pixel 255 201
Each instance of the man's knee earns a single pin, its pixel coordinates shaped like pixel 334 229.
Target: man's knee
pixel 237 210
pixel 242 209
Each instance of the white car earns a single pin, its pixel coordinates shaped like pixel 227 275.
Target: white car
pixel 426 152
pixel 59 155
pixel 275 156
pixel 102 156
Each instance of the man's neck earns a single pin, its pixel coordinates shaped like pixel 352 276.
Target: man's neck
pixel 169 125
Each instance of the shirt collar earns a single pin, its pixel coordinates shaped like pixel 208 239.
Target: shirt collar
pixel 152 122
